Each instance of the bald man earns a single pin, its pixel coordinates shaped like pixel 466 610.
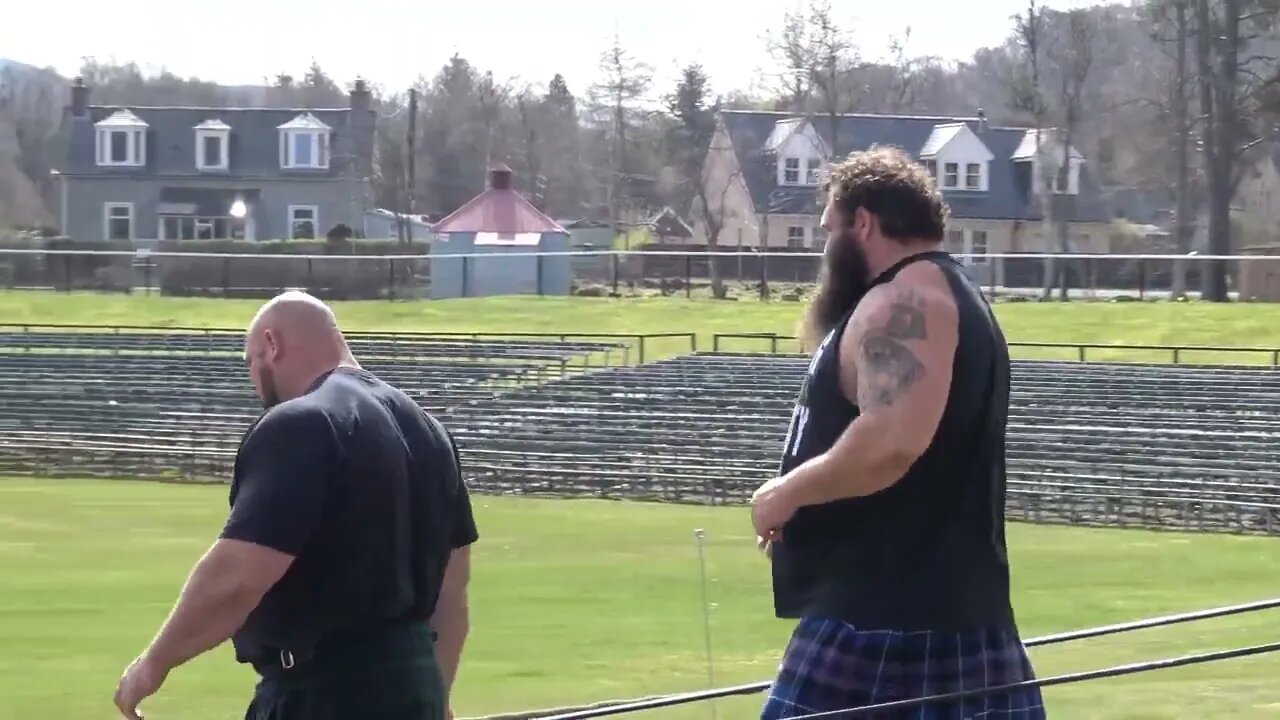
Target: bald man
pixel 341 573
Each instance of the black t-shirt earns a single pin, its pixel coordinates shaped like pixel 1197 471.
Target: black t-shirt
pixel 365 489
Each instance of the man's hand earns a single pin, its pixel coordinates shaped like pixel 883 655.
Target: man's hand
pixel 140 681
pixel 771 507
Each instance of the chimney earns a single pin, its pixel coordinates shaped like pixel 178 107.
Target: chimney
pixel 982 120
pixel 500 177
pixel 361 98
pixel 79 98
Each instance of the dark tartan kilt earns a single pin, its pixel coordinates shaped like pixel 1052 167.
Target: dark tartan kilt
pixel 829 665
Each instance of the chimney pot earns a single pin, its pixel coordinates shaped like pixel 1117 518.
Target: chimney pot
pixel 500 177
pixel 79 98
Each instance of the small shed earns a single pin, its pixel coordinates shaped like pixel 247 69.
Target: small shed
pixel 1259 280
pixel 498 230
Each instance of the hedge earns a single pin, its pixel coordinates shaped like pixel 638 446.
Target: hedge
pixel 228 277
pixel 334 279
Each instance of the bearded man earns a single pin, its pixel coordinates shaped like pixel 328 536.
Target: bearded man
pixel 886 525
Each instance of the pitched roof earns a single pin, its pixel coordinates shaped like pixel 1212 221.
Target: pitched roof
pixel 499 209
pixel 254 147
pixel 751 131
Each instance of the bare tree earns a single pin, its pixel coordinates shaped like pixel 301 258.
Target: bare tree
pixel 834 54
pixel 1071 59
pixel 1027 97
pixel 1236 80
pixel 718 174
pixel 626 82
pixel 793 57
pixel 1171 28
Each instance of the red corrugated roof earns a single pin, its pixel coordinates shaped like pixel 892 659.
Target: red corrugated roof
pixel 498 210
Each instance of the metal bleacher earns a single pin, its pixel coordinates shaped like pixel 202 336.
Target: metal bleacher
pixel 1165 446
pixel 1089 443
pixel 175 405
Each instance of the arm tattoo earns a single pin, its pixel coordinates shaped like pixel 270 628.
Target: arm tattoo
pixel 888 368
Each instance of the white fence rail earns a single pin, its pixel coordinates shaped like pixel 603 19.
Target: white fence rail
pixel 767 272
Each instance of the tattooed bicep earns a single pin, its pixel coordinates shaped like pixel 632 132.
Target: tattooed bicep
pixel 887 367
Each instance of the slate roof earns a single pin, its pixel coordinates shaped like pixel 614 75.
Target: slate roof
pixel 171 139
pixel 751 132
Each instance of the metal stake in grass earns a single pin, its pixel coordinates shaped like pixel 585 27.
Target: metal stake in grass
pixel 700 537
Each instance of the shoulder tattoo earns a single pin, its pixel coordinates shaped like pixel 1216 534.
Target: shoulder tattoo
pixel 887 368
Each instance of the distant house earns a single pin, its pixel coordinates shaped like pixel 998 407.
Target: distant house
pixel 184 173
pixel 763 170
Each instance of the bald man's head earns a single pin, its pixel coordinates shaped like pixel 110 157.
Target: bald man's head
pixel 293 339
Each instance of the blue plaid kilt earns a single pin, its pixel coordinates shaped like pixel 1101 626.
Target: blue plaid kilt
pixel 829 665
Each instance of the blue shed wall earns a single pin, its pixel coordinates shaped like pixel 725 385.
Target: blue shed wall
pixel 495 274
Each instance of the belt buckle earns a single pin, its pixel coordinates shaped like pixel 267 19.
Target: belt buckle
pixel 286 659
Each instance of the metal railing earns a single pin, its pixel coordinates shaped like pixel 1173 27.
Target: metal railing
pixel 745 271
pixel 789 344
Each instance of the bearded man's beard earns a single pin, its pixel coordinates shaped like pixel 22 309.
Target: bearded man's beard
pixel 842 282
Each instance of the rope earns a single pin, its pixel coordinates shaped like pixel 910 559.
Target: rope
pixel 1110 672
pixel 660 701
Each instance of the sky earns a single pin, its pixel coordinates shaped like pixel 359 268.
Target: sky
pixel 237 42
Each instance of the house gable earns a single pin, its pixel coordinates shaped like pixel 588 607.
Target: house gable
pixel 1006 194
pixel 957 158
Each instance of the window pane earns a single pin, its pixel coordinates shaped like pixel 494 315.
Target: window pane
pixel 302 149
pixel 303 230
pixel 119 146
pixel 304 213
pixel 118 229
pixel 170 228
pixel 323 141
pixel 212 151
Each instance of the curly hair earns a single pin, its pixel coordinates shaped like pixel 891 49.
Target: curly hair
pixel 887 182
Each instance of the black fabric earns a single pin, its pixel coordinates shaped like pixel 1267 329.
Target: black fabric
pixel 365 489
pixel 927 553
pixel 390 675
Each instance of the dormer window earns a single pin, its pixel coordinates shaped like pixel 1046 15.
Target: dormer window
pixel 950 175
pixel 304 143
pixel 213 145
pixel 813 167
pixel 962 156
pixel 973 176
pixel 121 140
pixel 791 171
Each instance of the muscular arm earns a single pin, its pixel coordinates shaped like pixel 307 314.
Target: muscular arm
pixel 223 588
pixel 897 358
pixel 279 494
pixel 451 620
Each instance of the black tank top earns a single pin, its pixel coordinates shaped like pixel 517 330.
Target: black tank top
pixel 927 553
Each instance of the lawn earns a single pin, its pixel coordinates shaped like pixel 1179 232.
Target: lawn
pixel 1147 323
pixel 577 601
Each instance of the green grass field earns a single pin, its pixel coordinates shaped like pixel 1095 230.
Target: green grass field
pixel 1150 323
pixel 577 601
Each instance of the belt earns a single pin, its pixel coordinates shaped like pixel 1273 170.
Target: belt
pixel 347 648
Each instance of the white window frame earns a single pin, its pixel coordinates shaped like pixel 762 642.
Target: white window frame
pixel 787 171
pixel 135 146
pixel 315 221
pixel 813 166
pixel 108 216
pixel 975 176
pixel 979 250
pixel 791 235
pixel 223 161
pixel 320 149
pixel 951 175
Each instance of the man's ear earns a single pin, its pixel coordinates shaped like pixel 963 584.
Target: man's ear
pixel 271 345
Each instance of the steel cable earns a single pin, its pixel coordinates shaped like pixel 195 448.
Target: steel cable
pixel 662 701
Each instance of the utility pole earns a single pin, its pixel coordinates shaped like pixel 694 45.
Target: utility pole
pixel 412 181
